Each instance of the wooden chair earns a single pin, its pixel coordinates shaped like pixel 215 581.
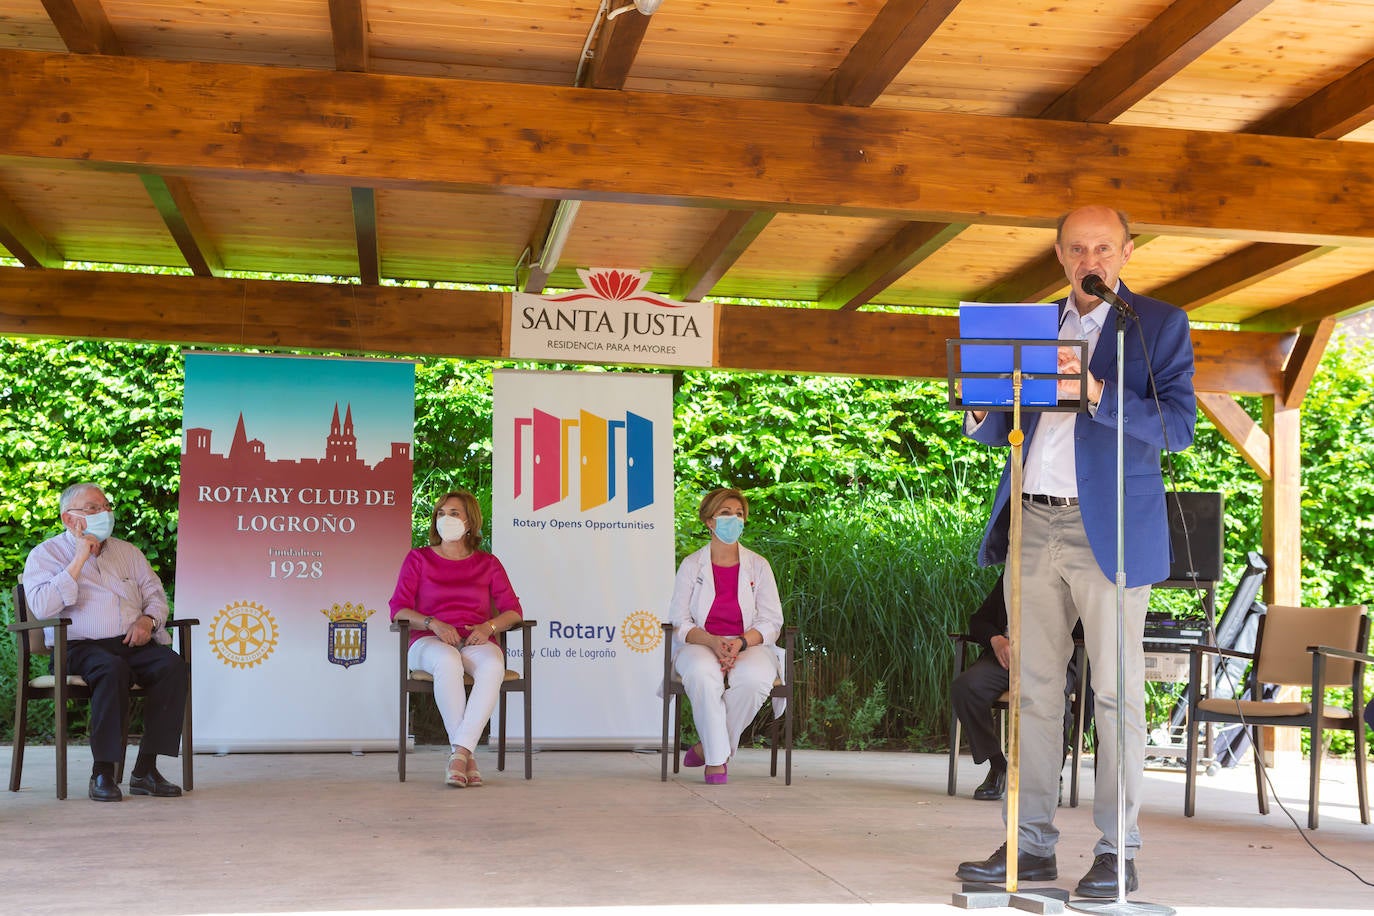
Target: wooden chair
pixel 780 727
pixel 55 686
pixel 1309 648
pixel 515 682
pixel 963 643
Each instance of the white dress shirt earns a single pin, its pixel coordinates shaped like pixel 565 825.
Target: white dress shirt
pixel 1050 466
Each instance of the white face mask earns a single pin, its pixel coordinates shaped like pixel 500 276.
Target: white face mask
pixel 451 528
pixel 100 526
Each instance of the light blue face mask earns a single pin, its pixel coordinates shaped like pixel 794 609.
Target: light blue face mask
pixel 100 526
pixel 729 528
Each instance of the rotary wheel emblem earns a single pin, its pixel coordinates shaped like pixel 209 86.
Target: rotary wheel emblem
pixel 243 634
pixel 642 631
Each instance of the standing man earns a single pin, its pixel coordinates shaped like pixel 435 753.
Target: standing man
pixel 117 638
pixel 1069 542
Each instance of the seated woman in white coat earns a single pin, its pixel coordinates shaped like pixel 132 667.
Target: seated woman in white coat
pixel 726 617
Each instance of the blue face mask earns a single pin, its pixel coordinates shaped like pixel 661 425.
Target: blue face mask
pixel 729 528
pixel 100 526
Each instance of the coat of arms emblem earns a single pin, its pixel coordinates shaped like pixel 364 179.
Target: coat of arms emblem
pixel 347 633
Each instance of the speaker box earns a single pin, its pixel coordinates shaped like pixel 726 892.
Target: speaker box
pixel 1200 516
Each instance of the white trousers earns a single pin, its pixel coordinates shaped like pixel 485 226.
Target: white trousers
pixel 721 713
pixel 464 716
pixel 1060 583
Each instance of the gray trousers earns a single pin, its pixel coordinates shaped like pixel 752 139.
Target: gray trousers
pixel 1061 583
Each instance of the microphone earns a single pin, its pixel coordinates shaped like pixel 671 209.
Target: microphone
pixel 1092 285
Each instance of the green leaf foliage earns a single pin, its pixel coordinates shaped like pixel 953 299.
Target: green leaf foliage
pixel 864 495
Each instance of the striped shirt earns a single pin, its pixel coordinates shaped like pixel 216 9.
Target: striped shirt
pixel 114 588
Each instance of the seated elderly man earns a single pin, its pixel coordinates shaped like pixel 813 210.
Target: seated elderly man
pixel 118 611
pixel 974 692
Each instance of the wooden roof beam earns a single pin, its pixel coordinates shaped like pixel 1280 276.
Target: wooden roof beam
pixel 83 26
pixel 912 244
pixel 323 127
pixel 1329 113
pixel 1337 301
pixel 1172 41
pixel 398 320
pixel 348 25
pixel 615 49
pixel 1236 271
pixel 735 233
pixel 1304 359
pixel 901 28
pixel 1238 428
pixel 178 210
pixel 22 240
pixel 365 231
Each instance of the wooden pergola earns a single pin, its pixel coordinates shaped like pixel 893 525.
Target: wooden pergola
pixel 878 161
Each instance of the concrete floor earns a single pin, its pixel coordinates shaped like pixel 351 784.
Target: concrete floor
pixel 320 833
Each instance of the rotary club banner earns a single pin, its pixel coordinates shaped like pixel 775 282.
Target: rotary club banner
pixel 295 513
pixel 582 519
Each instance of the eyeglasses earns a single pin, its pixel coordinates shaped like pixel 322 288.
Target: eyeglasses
pixel 92 508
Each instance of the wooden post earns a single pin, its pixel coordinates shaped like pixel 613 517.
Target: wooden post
pixel 1282 536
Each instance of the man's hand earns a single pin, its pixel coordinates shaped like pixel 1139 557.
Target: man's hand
pixel 86 547
pixel 1001 647
pixel 1071 364
pixel 140 631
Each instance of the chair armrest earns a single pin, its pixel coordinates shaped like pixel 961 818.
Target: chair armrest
pixel 1332 652
pixel 400 626
pixel 39 624
pixel 183 627
pixel 1200 649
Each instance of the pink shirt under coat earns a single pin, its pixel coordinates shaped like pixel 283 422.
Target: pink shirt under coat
pixel 458 592
pixel 726 618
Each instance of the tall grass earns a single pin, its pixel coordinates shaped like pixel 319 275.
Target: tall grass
pixel 874 589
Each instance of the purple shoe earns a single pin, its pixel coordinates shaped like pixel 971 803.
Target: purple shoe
pixel 718 779
pixel 692 758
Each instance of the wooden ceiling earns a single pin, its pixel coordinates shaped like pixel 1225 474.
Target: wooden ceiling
pixel 850 153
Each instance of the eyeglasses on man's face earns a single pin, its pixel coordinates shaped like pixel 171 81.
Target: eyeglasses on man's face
pixel 91 508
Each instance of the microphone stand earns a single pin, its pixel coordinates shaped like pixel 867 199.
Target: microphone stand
pixel 1119 906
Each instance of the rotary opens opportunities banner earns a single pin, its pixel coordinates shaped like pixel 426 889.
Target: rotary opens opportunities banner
pixel 582 519
pixel 295 514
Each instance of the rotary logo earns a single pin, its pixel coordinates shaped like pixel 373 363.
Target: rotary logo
pixel 347 633
pixel 642 631
pixel 243 634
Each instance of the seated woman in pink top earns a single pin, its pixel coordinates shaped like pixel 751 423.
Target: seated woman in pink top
pixel 726 617
pixel 448 591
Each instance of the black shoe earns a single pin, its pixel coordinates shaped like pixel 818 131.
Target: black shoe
pixel 994 786
pixel 104 788
pixel 152 783
pixel 993 870
pixel 1100 881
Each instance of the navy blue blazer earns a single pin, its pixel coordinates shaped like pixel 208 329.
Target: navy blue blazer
pixel 1163 330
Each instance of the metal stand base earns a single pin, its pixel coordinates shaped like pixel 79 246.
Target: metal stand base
pixel 1121 908
pixel 990 896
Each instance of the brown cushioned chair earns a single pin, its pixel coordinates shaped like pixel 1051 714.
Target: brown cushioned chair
pixel 780 727
pixel 515 682
pixel 55 686
pixel 1311 648
pixel 966 647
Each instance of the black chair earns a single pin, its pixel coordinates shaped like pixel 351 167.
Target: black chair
pixel 55 686
pixel 1309 648
pixel 514 682
pixel 965 648
pixel 780 727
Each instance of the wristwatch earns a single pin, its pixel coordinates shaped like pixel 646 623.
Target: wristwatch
pixel 153 619
pixel 428 621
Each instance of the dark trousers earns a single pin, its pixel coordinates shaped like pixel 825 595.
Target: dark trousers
pixel 111 668
pixel 978 687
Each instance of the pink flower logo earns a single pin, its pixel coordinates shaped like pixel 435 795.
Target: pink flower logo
pixel 616 284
